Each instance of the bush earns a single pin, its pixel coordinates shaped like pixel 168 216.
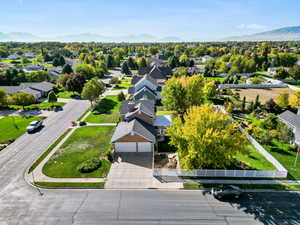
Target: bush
pixel 90 165
pixel 82 123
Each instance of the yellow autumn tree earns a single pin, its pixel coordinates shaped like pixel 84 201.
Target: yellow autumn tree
pixel 282 100
pixel 207 139
pixel 294 99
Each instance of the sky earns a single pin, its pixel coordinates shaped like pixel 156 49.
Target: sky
pixel 186 19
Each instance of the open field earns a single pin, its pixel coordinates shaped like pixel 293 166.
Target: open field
pixel 264 94
pixel 14 126
pixel 84 144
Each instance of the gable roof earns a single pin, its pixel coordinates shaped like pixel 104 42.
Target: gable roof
pixel 290 118
pixel 128 106
pixel 135 79
pixel 134 126
pixel 147 77
pixel 40 86
pixel 145 88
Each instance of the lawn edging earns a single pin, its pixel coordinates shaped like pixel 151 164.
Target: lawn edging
pixel 69 185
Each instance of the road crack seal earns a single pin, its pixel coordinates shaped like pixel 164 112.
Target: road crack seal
pixel 79 207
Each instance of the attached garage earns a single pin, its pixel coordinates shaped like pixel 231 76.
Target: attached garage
pixel 133 137
pixel 125 146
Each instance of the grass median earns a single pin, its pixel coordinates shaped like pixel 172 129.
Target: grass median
pixel 70 185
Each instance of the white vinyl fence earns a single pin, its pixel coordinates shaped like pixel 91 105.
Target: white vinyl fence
pixel 163 172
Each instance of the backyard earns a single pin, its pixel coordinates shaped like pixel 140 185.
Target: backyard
pixel 14 126
pixel 84 144
pixel 107 111
pixel 125 84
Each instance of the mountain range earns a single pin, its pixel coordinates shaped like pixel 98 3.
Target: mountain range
pixel 282 34
pixel 84 37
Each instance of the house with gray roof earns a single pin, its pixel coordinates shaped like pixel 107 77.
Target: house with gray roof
pixel 32 68
pixel 37 89
pixel 292 120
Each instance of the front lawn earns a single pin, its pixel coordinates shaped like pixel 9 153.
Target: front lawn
pixel 40 106
pixel 286 157
pixel 67 94
pixel 69 185
pixel 14 126
pixel 107 111
pixel 255 160
pixel 220 79
pixel 85 143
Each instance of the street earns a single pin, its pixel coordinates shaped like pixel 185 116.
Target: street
pixel 23 204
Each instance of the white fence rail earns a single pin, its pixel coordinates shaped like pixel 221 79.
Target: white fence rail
pixel 163 172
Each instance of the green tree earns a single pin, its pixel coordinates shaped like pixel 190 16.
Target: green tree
pixel 281 73
pixel 109 61
pixel 92 90
pixel 67 69
pixel 75 82
pixel 125 69
pixel 121 96
pixel 22 99
pixel 3 96
pixel 295 72
pixel 206 140
pixel 38 76
pixel 244 104
pixel 52 97
pixel 62 80
pixel 88 71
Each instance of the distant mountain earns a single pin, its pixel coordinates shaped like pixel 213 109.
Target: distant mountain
pixel 282 34
pixel 19 36
pixel 84 37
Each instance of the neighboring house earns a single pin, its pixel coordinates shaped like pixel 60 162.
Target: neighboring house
pixel 158 72
pixel 13 57
pixel 205 58
pixel 29 55
pixel 55 71
pixel 145 81
pixel 145 93
pixel 32 68
pixel 272 70
pixel 195 70
pixel 292 120
pixel 37 89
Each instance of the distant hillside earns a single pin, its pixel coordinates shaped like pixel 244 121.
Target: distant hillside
pixel 84 37
pixel 282 34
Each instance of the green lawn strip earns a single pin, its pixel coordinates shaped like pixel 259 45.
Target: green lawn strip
pixel 122 86
pixel 44 155
pixel 220 79
pixel 41 106
pixel 286 157
pixel 255 160
pixel 163 112
pixel 244 186
pixel 67 94
pixel 85 143
pixel 107 111
pixel 69 185
pixel 14 126
pixel 265 74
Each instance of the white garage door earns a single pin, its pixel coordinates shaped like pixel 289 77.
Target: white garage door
pixel 144 147
pixel 125 146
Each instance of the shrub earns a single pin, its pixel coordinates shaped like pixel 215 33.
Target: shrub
pixel 121 96
pixel 90 165
pixel 82 123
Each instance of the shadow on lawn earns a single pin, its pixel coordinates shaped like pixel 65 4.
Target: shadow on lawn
pixel 270 208
pixel 105 106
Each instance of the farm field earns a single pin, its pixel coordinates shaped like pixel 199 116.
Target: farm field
pixel 264 94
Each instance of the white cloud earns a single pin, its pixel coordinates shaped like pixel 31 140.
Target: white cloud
pixel 253 26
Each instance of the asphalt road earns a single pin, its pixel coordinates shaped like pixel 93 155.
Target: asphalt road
pixel 22 204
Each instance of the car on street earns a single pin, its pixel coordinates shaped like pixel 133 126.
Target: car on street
pixel 34 125
pixel 228 191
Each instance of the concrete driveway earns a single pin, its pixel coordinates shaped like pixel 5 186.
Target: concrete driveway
pixel 134 170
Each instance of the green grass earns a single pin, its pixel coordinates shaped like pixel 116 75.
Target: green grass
pixel 122 86
pixel 107 111
pixel 220 79
pixel 14 126
pixel 41 106
pixel 286 157
pixel 255 160
pixel 67 94
pixel 69 185
pixel 83 144
pixel 44 155
pixel 164 112
pixel 265 74
pixel 244 186
pixel 296 85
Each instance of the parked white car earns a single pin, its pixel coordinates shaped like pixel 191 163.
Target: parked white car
pixel 34 125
